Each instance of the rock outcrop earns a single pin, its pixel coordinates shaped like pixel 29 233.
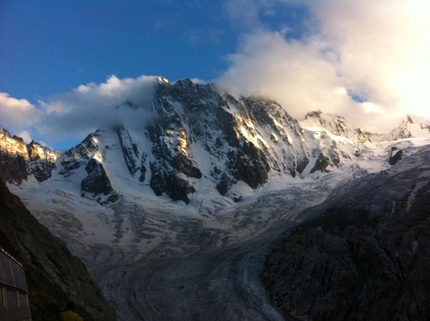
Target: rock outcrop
pixel 96 182
pixel 54 276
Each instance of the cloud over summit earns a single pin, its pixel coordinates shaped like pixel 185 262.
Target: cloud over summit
pixel 365 60
pixel 76 113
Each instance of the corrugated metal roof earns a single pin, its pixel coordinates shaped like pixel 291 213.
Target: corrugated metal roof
pixel 11 271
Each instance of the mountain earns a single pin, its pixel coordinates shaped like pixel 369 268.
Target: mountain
pixel 179 205
pixel 198 136
pixel 54 276
pixel 364 254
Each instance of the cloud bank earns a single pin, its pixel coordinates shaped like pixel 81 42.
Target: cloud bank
pixel 94 105
pixel 18 115
pixel 365 60
pixel 75 114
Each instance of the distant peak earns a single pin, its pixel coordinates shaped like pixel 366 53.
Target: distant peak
pixel 162 80
pixel 184 82
pixel 409 119
pixel 315 113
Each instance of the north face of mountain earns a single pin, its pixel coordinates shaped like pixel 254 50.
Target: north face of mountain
pixel 203 132
pixel 54 276
pixel 364 255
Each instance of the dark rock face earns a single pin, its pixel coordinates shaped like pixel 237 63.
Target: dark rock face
pixel 396 155
pixel 364 256
pixel 97 181
pixel 13 167
pixel 321 163
pixel 13 157
pixel 171 184
pixel 326 158
pixel 251 166
pixel 54 276
pixel 130 153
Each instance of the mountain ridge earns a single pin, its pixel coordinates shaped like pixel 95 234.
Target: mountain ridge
pixel 198 132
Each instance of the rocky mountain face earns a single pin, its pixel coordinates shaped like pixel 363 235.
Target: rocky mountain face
pixel 365 253
pixel 198 134
pixel 237 139
pixel 54 276
pixel 19 160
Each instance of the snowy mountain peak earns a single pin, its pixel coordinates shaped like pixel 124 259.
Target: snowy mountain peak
pixel 162 80
pixel 19 160
pixel 406 129
pixel 336 125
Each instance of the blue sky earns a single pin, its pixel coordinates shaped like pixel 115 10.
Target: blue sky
pixel 366 60
pixel 49 47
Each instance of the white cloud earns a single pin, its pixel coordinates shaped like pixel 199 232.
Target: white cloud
pixel 292 72
pixel 75 114
pixel 17 114
pixel 25 135
pixel 91 106
pixel 377 50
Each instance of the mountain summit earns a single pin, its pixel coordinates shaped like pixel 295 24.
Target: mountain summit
pixel 195 137
pixel 199 137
